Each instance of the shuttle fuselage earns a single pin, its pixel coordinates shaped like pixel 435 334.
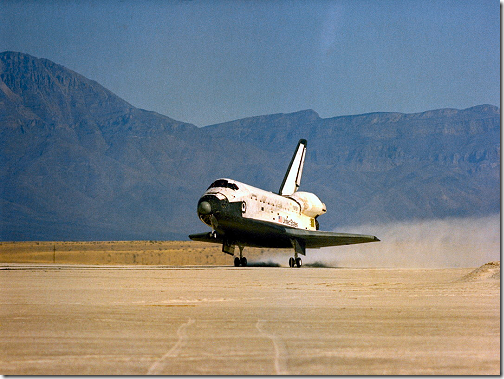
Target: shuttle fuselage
pixel 243 215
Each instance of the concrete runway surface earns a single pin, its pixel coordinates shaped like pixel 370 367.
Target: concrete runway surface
pixel 104 320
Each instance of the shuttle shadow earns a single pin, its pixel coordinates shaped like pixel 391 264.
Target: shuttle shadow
pixel 263 264
pixel 316 264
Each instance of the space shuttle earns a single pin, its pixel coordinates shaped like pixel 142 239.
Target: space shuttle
pixel 242 215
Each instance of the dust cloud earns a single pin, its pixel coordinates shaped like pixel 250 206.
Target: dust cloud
pixel 447 243
pixel 454 242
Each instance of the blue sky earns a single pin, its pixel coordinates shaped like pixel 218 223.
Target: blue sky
pixel 206 62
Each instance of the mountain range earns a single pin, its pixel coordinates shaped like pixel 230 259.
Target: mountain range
pixel 80 163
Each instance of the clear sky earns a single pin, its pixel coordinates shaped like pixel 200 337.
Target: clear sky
pixel 212 61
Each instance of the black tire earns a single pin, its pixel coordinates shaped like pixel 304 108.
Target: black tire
pixel 236 261
pixel 291 262
pixel 243 262
pixel 299 262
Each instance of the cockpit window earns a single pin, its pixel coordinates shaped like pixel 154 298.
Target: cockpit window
pixel 223 184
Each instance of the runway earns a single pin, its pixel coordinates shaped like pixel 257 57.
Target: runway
pixel 136 320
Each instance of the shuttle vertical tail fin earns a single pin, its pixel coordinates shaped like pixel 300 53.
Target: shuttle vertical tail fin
pixel 292 178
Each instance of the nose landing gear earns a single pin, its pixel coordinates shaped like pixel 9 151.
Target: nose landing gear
pixel 295 262
pixel 241 260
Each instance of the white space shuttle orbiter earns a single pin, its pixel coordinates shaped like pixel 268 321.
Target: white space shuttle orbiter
pixel 242 215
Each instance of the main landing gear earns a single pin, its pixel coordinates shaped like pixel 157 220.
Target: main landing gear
pixel 295 262
pixel 299 248
pixel 241 260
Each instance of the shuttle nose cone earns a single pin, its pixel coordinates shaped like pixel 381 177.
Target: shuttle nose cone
pixel 204 208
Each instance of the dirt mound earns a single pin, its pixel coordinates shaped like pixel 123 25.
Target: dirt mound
pixel 489 271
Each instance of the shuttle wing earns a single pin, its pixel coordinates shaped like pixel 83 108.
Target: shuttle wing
pixel 309 239
pixel 315 239
pixel 206 237
pixel 292 179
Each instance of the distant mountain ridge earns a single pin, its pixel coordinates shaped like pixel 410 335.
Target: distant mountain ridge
pixel 80 163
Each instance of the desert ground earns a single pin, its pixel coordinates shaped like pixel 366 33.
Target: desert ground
pixel 66 309
pixel 174 253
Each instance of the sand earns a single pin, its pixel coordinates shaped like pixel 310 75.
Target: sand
pixel 100 319
pixel 175 253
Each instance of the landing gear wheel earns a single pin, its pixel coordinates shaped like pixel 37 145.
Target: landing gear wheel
pixel 291 262
pixel 236 261
pixel 299 262
pixel 243 261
